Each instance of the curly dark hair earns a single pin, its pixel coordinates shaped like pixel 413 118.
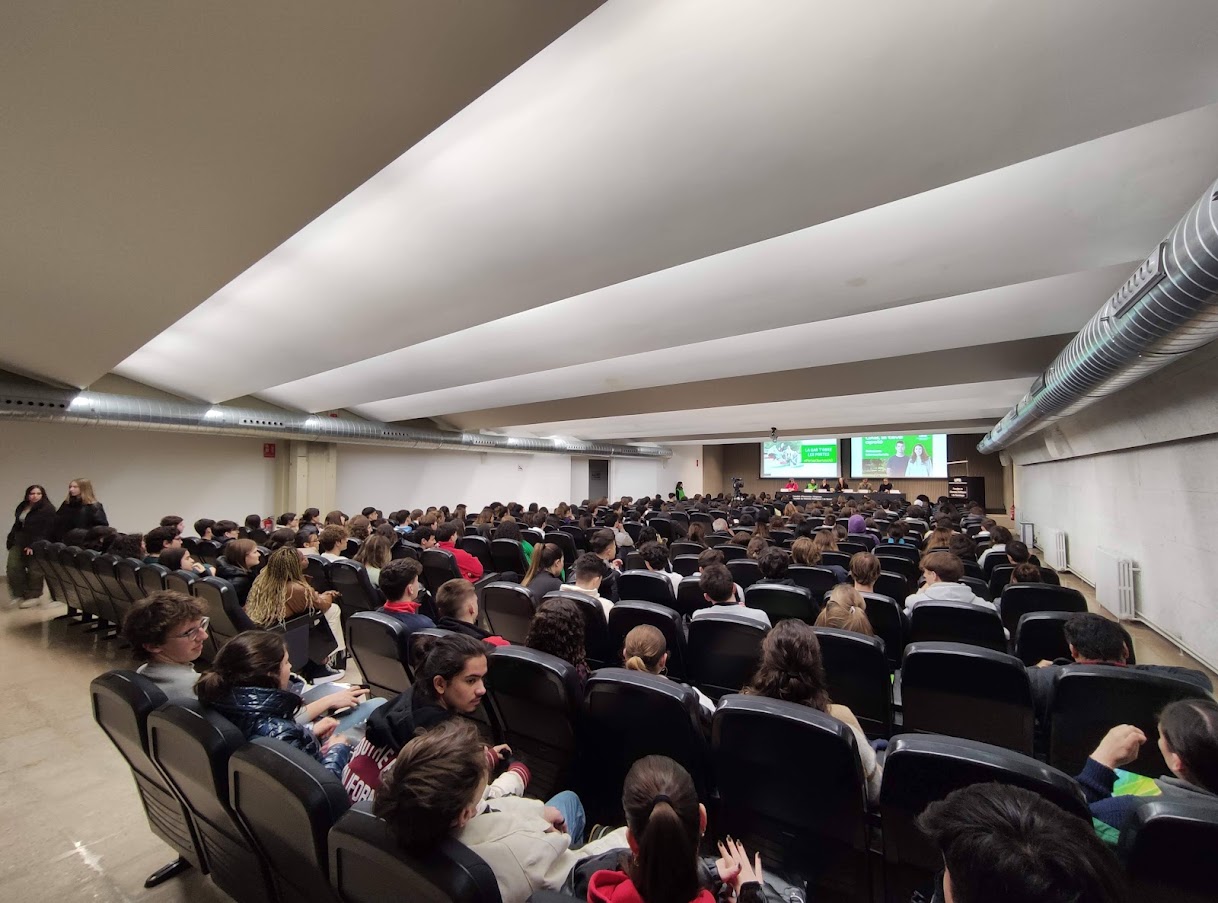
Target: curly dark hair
pixel 558 629
pixel 791 667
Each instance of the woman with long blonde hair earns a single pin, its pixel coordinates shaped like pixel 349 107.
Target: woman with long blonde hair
pixel 374 554
pixel 846 610
pixel 280 591
pixel 80 510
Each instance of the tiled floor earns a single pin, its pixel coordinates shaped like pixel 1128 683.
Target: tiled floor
pixel 71 827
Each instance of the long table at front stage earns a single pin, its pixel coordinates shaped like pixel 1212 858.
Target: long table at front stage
pixel 802 498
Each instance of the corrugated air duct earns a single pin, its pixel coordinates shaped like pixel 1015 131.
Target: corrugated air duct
pixel 1166 309
pixel 32 402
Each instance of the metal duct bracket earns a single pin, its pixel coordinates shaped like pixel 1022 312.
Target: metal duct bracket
pixel 1167 308
pixel 45 404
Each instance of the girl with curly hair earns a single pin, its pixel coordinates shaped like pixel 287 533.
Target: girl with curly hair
pixel 558 629
pixel 280 591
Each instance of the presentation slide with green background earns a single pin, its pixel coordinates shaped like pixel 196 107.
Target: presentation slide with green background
pixel 809 459
pixel 912 456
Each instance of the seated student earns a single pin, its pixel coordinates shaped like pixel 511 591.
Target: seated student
pixel 646 650
pixel 898 534
pixel 773 563
pixel 655 558
pixel 237 564
pixel 717 587
pixel 714 556
pixel 603 544
pixel 224 530
pixel 1188 740
pixel 864 571
pixel 805 551
pixel 280 591
pixel 545 571
pixel 308 543
pixel 374 553
pixel 1026 573
pixel 469 566
pixel 962 547
pixel 332 542
pixel 203 528
pixel 436 789
pixel 336 518
pixel 157 540
pixel 249 683
pixel 558 629
pixel 457 606
pixel 791 669
pixel 941 536
pixel 288 521
pixel 172 522
pixel 449 682
pixel 588 573
pixel 1003 844
pixel 846 610
pixel 942 571
pixel 128 545
pixel 308 521
pixel 400 584
pixel 179 559
pixel 282 538
pixel 167 631
pixel 1000 536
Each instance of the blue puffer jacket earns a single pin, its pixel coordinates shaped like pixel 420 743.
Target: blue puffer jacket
pixel 262 712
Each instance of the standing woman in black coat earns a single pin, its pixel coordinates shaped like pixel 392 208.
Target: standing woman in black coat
pixel 80 510
pixel 32 521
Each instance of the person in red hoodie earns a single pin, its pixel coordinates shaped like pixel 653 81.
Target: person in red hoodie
pixel 664 824
pixel 469 566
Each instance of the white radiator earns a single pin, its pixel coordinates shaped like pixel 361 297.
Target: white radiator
pixel 1055 551
pixel 1114 586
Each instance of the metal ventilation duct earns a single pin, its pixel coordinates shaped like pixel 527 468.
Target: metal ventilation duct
pixel 1166 309
pixel 45 404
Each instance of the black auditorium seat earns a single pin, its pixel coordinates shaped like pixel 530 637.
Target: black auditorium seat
pixel 859 678
pixel 480 547
pixel 625 616
pixel 646 586
pixel 508 556
pixel 724 651
pixel 288 803
pixel 781 602
pixel 967 691
pixel 380 645
pixel 956 622
pixel 1168 846
pixel 368 866
pixel 351 579
pixel 315 572
pixel 760 746
pixel 181 582
pixel 815 579
pixel 685 565
pixel 745 571
pixel 1019 599
pixel 152 578
pixel 122 702
pixel 565 542
pixel 1041 636
pixel 439 566
pixel 509 609
pixel 597 647
pixel 690 597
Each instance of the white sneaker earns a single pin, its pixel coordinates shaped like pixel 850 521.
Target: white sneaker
pixel 29 603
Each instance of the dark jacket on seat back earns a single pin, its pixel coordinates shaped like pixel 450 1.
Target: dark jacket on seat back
pixel 471 630
pixel 392 725
pixel 38 525
pixel 263 712
pixel 241 579
pixel 76 515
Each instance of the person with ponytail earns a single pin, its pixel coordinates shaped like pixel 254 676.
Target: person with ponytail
pixel 647 650
pixel 846 610
pixel 249 684
pixel 664 827
pixel 792 669
pixel 545 571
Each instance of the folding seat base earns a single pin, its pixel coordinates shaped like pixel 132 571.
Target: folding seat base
pixel 165 872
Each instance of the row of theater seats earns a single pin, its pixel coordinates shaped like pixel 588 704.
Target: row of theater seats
pixel 269 824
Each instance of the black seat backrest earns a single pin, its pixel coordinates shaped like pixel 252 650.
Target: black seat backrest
pixel 227 617
pixel 646 586
pixel 508 556
pixel 351 579
pixel 1019 599
pixel 765 805
pixel 122 702
pixel 956 622
pixel 597 648
pixel 684 547
pixel 1000 576
pixel 625 616
pixel 841 559
pixel 1168 846
pixel 852 547
pixel 897 564
pixel 781 602
pixel 633 561
pixel 380 645
pixel 116 596
pixel 128 572
pixel 181 582
pixel 1041 636
pixel 895 586
pixel 920 769
pixel 857 670
pixel 997 559
pixel 208 550
pixel 908 551
pixel 152 577
pixel 690 597
pixel 724 651
pixel 406 549
pixel 352 548
pixel 539 699
pixel 315 572
pixel 367 866
pixel 967 691
pixel 566 543
pixel 192 745
pixel 662 526
pixel 887 619
pixel 745 571
pixel 288 803
pixel 980 588
pixel 817 580
pixel 480 547
pixel 577 535
pixel 631 714
pixel 685 565
pixel 93 591
pixel 972 569
pixel 1087 700
pixel 509 610
pixel 733 552
pixel 439 566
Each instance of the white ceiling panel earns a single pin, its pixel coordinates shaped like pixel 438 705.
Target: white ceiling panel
pixel 653 134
